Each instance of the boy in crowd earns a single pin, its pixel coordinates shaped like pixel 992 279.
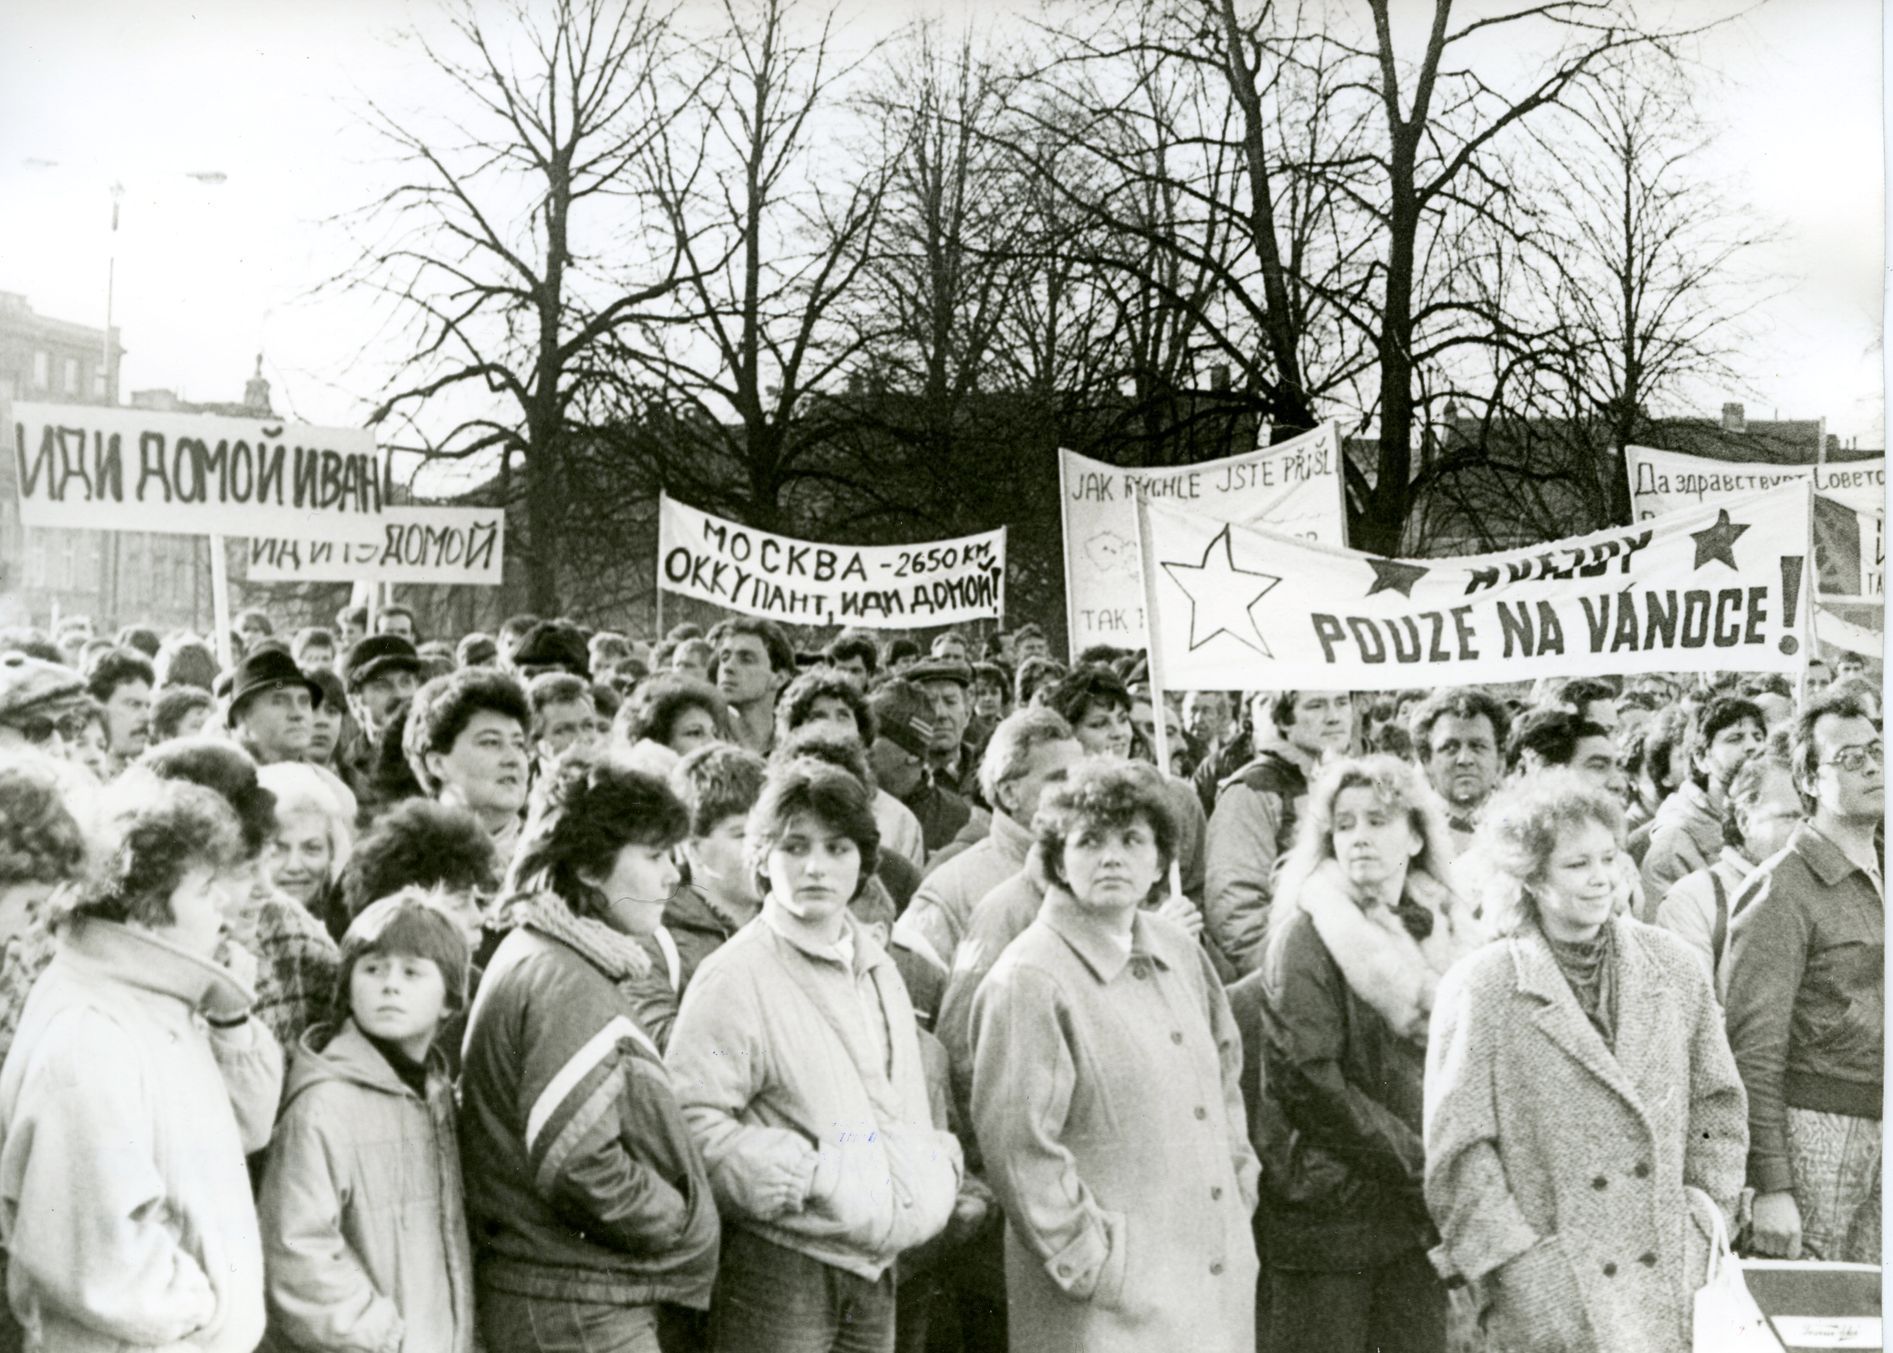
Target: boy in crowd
pixel 398 621
pixel 363 1217
pixel 313 647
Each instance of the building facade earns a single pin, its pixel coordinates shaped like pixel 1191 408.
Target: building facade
pixel 115 577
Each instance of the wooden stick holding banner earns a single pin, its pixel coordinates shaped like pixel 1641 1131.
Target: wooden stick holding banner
pixel 1810 641
pixel 220 602
pixel 1160 726
pixel 1064 534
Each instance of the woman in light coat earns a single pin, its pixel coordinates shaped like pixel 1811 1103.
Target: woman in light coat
pixel 135 1087
pixel 1365 927
pixel 1106 1096
pixel 1583 1113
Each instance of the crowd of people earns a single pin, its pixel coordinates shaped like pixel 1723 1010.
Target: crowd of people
pixel 556 989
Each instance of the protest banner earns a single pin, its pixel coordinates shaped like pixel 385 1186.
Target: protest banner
pixel 940 582
pixel 454 545
pixel 109 469
pixel 1716 587
pixel 1844 634
pixel 1849 507
pixel 1293 488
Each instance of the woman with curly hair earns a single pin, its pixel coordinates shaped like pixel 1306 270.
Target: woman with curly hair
pixel 1364 926
pixel 1097 704
pixel 589 1206
pixel 136 1087
pixel 665 719
pixel 295 960
pixel 1106 1097
pixel 1584 1119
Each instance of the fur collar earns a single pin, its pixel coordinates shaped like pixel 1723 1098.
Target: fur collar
pixel 1395 974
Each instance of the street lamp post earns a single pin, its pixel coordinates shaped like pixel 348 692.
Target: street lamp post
pixel 108 366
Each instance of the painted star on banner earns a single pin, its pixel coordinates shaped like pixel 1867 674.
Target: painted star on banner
pixel 1221 595
pixel 1390 575
pixel 1718 542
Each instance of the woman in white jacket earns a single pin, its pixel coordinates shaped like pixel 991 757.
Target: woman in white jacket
pixel 133 1091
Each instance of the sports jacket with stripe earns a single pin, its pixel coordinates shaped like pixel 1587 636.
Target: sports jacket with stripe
pixel 582 1179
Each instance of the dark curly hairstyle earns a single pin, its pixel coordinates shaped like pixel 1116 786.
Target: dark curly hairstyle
pixel 652 710
pixel 392 774
pixel 1722 711
pixel 797 702
pixel 1035 673
pixel 182 826
pixel 1104 793
pixel 120 667
pixel 173 705
pixel 1082 688
pixel 184 661
pixel 586 814
pixel 822 742
pixel 420 843
pixel 40 842
pixel 444 706
pixel 827 793
pixel 226 770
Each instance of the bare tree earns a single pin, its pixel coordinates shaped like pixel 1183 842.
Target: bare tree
pixel 513 250
pixel 1443 118
pixel 776 219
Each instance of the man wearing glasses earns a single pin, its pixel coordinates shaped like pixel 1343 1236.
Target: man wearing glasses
pixel 37 698
pixel 1805 992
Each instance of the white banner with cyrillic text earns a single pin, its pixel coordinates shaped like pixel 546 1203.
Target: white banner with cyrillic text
pixel 1293 488
pixel 1718 587
pixel 464 546
pixel 804 582
pixel 109 469
pixel 1849 508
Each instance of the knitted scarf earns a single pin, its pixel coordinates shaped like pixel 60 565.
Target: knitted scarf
pixel 619 957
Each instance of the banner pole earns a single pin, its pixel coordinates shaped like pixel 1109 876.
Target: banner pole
pixel 1153 654
pixel 1064 533
pixel 220 602
pixel 1810 643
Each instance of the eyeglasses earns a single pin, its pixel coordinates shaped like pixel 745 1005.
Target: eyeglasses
pixel 1856 759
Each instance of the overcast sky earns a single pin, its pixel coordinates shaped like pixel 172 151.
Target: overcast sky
pixel 144 92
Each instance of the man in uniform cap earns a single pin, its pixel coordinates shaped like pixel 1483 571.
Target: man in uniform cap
pixel 380 672
pixel 271 706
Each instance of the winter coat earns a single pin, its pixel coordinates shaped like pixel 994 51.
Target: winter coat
pixel 364 1221
pixel 933 925
pixel 1109 1117
pixel 775 1064
pixel 582 1180
pixel 124 1199
pixel 1590 1171
pixel 1249 832
pixel 1346 994
pixel 1000 918
pixel 1685 835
